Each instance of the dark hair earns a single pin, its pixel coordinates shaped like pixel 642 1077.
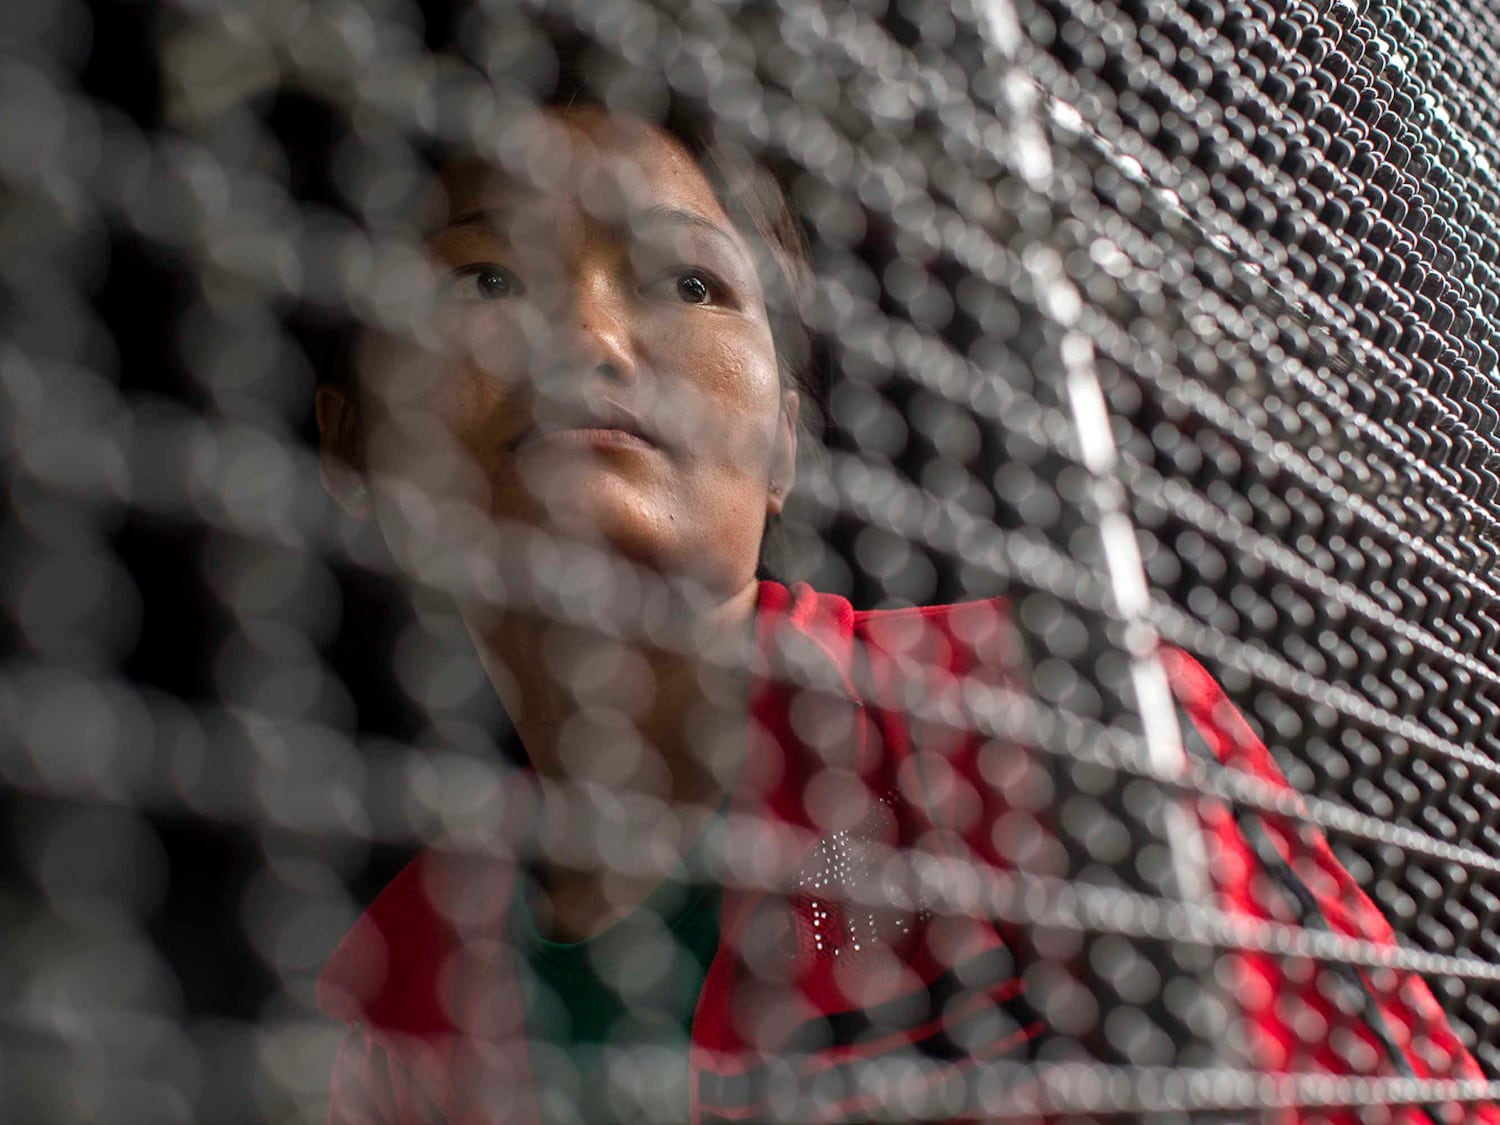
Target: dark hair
pixel 552 65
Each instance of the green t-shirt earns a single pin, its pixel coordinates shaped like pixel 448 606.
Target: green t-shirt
pixel 610 1018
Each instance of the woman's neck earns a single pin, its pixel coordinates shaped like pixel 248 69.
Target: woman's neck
pixel 633 721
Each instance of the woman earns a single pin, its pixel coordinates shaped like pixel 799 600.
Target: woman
pixel 610 371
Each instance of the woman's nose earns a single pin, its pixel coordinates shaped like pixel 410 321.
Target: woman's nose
pixel 599 331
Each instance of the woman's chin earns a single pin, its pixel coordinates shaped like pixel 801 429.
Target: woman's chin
pixel 645 517
pixel 646 539
pixel 614 516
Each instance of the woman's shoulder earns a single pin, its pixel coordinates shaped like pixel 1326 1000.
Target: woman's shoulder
pixel 387 971
pixel 976 633
pixel 979 630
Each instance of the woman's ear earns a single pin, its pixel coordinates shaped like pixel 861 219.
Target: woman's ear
pixel 341 450
pixel 784 454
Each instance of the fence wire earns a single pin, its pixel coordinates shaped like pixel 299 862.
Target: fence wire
pixel 1170 323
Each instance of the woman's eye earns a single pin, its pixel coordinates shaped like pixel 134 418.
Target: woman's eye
pixel 693 289
pixel 483 283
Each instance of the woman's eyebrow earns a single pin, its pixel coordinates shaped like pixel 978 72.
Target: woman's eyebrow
pixel 678 216
pixel 490 218
pixel 494 219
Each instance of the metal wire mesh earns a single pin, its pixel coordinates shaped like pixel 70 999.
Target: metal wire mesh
pixel 1169 322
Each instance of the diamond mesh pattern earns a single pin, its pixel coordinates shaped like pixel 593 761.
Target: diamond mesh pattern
pixel 1173 322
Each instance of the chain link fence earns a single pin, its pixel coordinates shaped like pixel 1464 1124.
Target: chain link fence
pixel 1171 322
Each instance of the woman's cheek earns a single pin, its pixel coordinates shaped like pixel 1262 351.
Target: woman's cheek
pixel 429 416
pixel 473 370
pixel 493 337
pixel 749 397
pixel 730 361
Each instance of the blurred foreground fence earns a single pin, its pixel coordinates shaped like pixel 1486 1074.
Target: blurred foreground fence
pixel 1169 315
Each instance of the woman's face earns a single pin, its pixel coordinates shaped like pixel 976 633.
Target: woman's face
pixel 600 362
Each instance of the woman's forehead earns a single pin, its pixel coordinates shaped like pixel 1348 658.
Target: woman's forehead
pixel 613 166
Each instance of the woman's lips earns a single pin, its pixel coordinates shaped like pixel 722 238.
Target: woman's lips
pixel 596 436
